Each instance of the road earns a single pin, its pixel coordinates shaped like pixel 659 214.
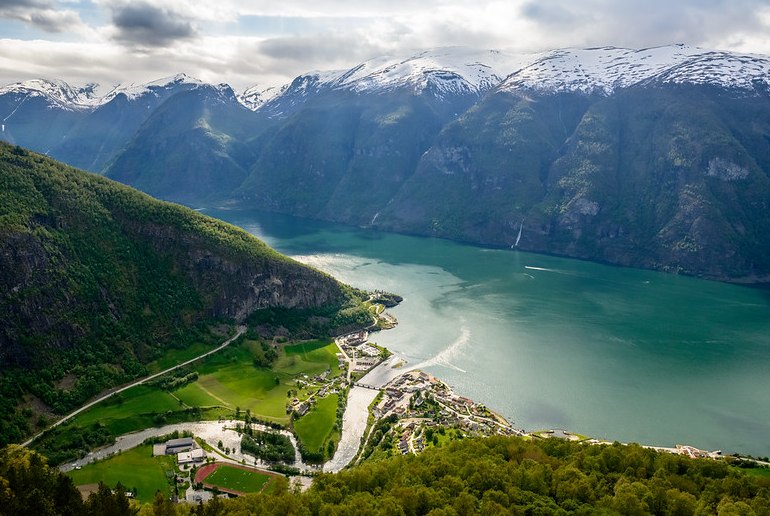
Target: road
pixel 241 331
pixel 212 432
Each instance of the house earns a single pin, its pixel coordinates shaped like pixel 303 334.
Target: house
pixel 302 409
pixel 191 457
pixel 183 444
pixel 356 339
pixel 393 393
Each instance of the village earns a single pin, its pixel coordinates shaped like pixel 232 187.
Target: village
pixel 417 401
pixel 411 410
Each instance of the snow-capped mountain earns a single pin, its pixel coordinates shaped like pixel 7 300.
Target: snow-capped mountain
pixel 603 70
pixel 134 91
pixel 443 71
pixel 453 70
pixel 61 95
pixel 462 71
pixel 458 71
pixel 57 92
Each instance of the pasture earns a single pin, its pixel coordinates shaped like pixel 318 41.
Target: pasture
pixel 136 469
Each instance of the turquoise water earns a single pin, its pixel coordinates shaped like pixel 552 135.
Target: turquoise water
pixel 610 352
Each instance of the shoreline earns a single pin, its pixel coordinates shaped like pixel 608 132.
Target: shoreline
pixel 396 367
pixel 398 384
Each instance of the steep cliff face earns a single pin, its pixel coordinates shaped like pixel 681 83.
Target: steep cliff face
pixel 98 278
pixel 233 287
pixel 675 178
pixel 190 149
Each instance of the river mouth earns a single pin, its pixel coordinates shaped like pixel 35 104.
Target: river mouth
pixel 609 352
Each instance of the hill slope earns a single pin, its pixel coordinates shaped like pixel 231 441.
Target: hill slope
pixel 97 279
pixel 190 149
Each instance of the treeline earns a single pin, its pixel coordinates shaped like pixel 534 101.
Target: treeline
pixel 508 475
pixel 268 446
pixel 496 475
pixel 28 486
pixel 173 381
pixel 310 323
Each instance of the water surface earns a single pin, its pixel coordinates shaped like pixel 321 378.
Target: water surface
pixel 611 352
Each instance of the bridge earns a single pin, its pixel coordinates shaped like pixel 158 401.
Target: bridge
pixel 367 386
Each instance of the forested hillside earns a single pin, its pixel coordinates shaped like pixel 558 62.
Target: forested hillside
pixel 97 280
pixel 497 475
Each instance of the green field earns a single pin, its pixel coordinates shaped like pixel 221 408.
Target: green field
pixel 137 400
pixel 227 379
pixel 194 395
pixel 136 469
pixel 315 427
pixel 230 379
pixel 311 357
pixel 173 357
pixel 755 472
pixel 237 479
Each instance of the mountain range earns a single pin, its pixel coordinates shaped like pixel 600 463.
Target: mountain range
pixel 655 158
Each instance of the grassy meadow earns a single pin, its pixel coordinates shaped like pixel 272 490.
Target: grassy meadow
pixel 317 426
pixel 226 381
pixel 136 469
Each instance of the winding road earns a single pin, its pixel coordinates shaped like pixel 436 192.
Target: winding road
pixel 241 331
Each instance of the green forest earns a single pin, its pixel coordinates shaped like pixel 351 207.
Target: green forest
pixel 98 282
pixel 496 475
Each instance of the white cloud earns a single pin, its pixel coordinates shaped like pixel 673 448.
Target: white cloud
pixel 227 41
pixel 43 15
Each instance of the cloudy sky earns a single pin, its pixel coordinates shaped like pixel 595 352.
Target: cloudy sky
pixel 250 42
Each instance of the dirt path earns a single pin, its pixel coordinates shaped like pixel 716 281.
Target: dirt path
pixel 204 389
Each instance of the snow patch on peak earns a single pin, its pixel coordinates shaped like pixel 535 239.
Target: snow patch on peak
pixel 133 91
pixel 603 70
pixel 180 78
pixel 442 70
pixel 257 95
pixel 57 92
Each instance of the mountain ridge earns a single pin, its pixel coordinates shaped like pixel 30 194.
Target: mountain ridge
pixel 440 143
pixel 466 69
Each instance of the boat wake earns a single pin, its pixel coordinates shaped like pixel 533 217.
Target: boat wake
pixel 449 353
pixel 545 269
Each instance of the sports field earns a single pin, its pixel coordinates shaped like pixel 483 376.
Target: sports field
pixel 237 479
